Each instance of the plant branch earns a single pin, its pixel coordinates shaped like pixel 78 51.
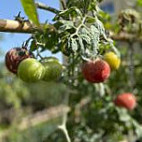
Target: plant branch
pixel 46 7
pixel 16 26
pixel 26 27
pixel 63 3
pixel 64 128
pixel 125 37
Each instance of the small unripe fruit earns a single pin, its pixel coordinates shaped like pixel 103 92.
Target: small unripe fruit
pixel 113 60
pixel 30 70
pixel 96 71
pixel 126 100
pixel 14 56
pixel 53 69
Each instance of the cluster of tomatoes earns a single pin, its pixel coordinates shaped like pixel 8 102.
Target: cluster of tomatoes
pixel 97 71
pixel 22 63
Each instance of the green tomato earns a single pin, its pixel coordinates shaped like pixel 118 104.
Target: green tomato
pixel 30 70
pixel 53 69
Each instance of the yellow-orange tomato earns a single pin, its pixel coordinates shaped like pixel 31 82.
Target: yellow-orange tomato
pixel 113 60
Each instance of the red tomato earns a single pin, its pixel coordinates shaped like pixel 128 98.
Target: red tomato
pixel 126 100
pixel 96 71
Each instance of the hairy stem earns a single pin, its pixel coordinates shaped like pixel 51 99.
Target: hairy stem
pixel 46 7
pixel 63 3
pixel 64 121
pixel 64 128
pixel 14 26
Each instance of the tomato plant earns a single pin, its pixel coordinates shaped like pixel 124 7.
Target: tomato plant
pixel 84 34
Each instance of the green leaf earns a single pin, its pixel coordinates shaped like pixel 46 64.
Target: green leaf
pixel 95 38
pixel 30 10
pixel 90 19
pixel 66 25
pixel 138 128
pixel 74 45
pixel 81 45
pixel 33 46
pixel 73 12
pixel 104 17
pixel 139 2
pixel 85 35
pixel 99 25
pixel 123 115
pixel 86 38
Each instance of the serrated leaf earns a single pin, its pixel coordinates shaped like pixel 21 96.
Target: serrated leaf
pixel 95 38
pixel 73 12
pixel 94 31
pixel 85 35
pixel 99 25
pixel 74 45
pixel 81 45
pixel 123 115
pixel 30 10
pixel 66 25
pixel 86 38
pixel 90 19
pixel 66 22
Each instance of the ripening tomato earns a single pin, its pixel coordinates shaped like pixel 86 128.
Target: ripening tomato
pixel 53 68
pixel 96 71
pixel 113 60
pixel 126 100
pixel 14 56
pixel 30 70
